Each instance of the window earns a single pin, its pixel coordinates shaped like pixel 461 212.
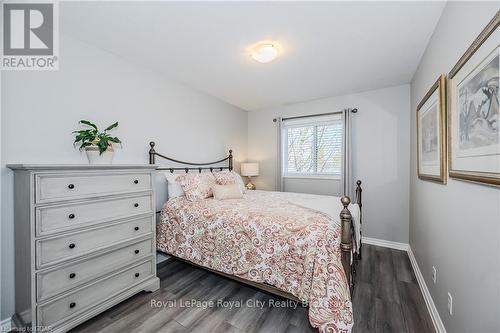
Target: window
pixel 312 147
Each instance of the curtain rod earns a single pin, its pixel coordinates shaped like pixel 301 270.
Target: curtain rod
pixel 314 115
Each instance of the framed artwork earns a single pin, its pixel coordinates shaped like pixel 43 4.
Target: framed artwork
pixel 431 136
pixel 473 113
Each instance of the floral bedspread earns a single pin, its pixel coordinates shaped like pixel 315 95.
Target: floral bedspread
pixel 267 239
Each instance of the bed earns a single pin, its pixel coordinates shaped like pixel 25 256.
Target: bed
pixel 298 246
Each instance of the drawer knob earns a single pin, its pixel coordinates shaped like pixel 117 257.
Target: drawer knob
pixel 136 228
pixel 136 181
pixel 71 216
pixel 137 275
pixel 71 186
pixel 72 275
pixel 136 205
pixel 72 245
pixel 72 305
pixel 136 251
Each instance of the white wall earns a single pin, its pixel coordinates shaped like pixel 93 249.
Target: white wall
pixel 311 185
pixel 456 227
pixel 380 154
pixel 40 109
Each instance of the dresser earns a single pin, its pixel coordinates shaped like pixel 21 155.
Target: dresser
pixel 84 240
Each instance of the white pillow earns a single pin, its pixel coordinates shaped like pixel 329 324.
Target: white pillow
pixel 231 191
pixel 227 177
pixel 173 186
pixel 240 181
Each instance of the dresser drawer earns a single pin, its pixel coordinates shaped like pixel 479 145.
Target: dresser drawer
pixel 90 296
pixel 57 187
pixel 51 219
pixel 56 249
pixel 57 281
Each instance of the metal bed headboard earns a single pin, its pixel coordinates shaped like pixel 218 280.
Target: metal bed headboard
pixel 199 166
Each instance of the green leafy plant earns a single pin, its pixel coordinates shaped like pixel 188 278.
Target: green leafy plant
pixel 93 137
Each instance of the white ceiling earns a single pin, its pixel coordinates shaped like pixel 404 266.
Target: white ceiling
pixel 329 48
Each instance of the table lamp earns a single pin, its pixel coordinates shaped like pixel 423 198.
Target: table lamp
pixel 249 170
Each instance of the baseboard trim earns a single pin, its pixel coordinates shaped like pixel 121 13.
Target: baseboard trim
pixel 431 307
pixel 6 325
pixel 385 243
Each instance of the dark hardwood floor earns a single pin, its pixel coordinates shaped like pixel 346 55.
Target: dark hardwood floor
pixel 387 299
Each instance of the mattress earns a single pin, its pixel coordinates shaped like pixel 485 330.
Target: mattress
pixel 266 237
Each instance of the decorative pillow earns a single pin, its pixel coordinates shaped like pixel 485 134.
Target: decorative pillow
pixel 173 186
pixel 227 177
pixel 197 186
pixel 231 191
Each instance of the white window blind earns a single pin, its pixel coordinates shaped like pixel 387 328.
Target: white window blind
pixel 312 146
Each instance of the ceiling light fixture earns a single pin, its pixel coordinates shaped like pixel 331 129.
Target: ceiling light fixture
pixel 264 52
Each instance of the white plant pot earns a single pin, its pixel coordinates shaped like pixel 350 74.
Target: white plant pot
pixel 95 158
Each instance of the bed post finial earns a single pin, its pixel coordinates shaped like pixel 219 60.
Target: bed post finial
pixel 346 240
pixel 345 202
pixel 230 160
pixel 152 153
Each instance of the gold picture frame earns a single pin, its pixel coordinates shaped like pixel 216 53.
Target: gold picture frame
pixel 475 159
pixel 431 133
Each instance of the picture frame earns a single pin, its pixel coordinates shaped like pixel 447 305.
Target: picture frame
pixel 473 112
pixel 431 133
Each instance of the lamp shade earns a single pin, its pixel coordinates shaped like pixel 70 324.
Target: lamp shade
pixel 249 169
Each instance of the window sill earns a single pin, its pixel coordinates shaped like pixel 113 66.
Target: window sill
pixel 325 177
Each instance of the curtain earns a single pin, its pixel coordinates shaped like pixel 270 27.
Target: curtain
pixel 279 166
pixel 346 168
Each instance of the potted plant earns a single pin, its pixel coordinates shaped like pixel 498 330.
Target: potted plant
pixel 97 145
